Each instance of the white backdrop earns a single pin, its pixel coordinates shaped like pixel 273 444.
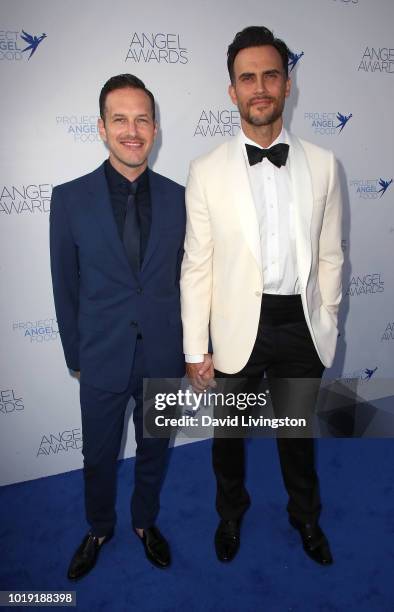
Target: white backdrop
pixel 49 107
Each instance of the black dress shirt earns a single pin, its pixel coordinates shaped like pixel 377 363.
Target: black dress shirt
pixel 119 189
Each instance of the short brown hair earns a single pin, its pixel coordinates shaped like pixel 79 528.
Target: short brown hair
pixel 122 81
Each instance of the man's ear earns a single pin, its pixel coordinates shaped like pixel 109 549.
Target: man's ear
pixel 288 87
pixel 232 94
pixel 101 129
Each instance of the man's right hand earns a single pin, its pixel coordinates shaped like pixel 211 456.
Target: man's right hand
pixel 201 375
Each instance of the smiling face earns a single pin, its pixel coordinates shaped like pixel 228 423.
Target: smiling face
pixel 128 129
pixel 260 87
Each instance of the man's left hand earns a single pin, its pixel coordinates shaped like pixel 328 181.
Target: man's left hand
pixel 201 375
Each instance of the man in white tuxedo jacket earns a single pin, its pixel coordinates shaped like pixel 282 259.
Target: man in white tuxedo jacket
pixel 261 275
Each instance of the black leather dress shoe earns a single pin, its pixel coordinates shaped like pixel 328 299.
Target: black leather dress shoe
pixel 227 539
pixel 85 556
pixel 156 547
pixel 314 542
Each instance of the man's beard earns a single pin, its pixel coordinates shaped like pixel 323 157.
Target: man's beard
pixel 260 120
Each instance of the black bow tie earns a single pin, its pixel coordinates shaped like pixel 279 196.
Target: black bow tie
pixel 277 154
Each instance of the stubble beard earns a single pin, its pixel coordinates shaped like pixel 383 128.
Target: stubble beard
pixel 130 163
pixel 259 121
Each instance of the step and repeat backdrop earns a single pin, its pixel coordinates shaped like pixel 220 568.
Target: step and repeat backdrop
pixel 54 59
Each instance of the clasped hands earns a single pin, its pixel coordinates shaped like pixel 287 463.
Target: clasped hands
pixel 201 375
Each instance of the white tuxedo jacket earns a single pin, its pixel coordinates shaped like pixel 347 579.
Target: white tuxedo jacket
pixel 222 281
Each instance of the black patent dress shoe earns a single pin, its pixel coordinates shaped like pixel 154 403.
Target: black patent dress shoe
pixel 156 547
pixel 85 556
pixel 314 542
pixel 227 539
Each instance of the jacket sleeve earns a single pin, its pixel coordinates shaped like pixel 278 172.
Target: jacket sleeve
pixel 330 244
pixel 196 277
pixel 65 278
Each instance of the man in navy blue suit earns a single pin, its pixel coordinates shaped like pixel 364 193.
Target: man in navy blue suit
pixel 116 239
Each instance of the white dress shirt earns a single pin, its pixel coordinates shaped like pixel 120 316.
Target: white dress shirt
pixel 272 196
pixel 271 189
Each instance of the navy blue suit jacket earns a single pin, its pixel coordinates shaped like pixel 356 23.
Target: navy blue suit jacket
pixel 100 303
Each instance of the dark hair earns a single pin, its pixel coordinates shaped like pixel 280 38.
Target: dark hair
pixel 122 81
pixel 256 36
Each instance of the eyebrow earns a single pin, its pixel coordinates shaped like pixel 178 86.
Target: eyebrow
pixel 116 115
pixel 271 71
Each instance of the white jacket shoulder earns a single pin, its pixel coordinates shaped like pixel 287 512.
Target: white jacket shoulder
pixel 212 159
pixel 315 152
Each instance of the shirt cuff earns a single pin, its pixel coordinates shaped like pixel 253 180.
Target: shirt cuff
pixel 194 358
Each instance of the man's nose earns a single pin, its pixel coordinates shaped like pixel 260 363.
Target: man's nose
pixel 132 128
pixel 260 84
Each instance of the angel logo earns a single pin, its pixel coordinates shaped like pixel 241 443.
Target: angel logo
pixel 367 373
pixel 326 124
pixel 370 189
pixel 32 42
pixel 343 119
pixel 40 331
pixel 81 128
pixel 294 59
pixel 12 44
pixel 363 375
pixel 384 185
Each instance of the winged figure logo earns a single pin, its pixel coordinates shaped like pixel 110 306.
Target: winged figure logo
pixel 369 373
pixel 384 186
pixel 343 119
pixel 32 42
pixel 293 59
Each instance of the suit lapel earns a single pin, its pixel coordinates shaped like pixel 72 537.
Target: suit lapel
pixel 239 191
pixel 301 183
pixel 100 203
pixel 158 210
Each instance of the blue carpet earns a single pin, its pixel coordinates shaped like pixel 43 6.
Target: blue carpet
pixel 42 522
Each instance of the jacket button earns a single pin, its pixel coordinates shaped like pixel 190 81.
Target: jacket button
pixel 139 290
pixel 257 293
pixel 133 324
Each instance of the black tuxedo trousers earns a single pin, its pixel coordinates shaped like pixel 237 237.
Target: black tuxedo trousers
pixel 283 350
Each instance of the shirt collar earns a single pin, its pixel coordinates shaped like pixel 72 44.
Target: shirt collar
pixel 119 183
pixel 282 137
